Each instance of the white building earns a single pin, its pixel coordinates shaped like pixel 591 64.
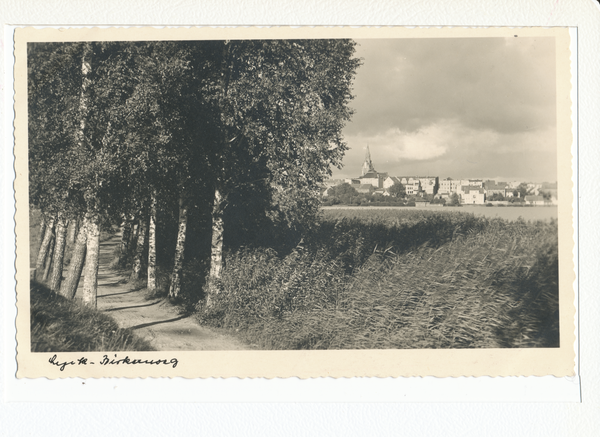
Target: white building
pixel 411 185
pixel 472 195
pixel 534 188
pixel 451 186
pixel 535 200
pixel 493 187
pixel 475 183
pixel 391 181
pixel 429 185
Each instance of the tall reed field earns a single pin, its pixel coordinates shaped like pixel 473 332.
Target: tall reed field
pixel 396 279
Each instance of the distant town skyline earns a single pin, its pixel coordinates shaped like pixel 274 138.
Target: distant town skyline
pixel 455 107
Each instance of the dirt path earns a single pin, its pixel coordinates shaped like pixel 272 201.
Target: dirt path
pixel 155 320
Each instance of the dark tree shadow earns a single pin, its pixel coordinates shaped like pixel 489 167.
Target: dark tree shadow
pixel 132 306
pixel 145 325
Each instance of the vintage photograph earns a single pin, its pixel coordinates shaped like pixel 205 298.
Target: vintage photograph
pixel 295 194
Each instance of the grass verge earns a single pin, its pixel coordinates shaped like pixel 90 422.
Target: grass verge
pixel 61 325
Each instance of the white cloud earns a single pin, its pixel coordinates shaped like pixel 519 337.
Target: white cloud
pixel 455 107
pixel 424 144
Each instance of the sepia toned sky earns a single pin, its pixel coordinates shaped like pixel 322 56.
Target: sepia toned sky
pixel 455 107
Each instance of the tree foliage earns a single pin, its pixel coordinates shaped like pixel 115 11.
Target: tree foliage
pixel 454 200
pixel 258 121
pixel 522 190
pixel 397 190
pixel 342 190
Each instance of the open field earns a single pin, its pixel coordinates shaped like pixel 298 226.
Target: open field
pixel 504 212
pixel 397 279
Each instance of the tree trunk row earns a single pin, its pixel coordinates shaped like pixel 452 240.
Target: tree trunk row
pixel 86 248
pixel 69 286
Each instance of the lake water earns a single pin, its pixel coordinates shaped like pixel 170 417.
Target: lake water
pixel 506 212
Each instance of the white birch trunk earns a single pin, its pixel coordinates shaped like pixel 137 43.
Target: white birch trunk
pixel 43 225
pixel 90 280
pixel 49 258
pixel 139 251
pixel 216 248
pixel 124 246
pixel 133 238
pixel 59 254
pixel 175 287
pixel 151 285
pixel 86 69
pixel 73 231
pixel 216 252
pixel 69 286
pixel 43 252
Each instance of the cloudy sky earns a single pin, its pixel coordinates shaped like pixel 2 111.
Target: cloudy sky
pixel 455 107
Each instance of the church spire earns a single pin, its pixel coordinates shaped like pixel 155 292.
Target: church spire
pixel 367 165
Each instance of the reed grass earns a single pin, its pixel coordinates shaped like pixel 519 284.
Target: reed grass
pixel 402 280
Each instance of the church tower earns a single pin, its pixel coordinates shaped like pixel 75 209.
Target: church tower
pixel 367 166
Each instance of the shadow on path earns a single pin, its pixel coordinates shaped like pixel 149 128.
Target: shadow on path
pixel 132 306
pixel 118 294
pixel 145 325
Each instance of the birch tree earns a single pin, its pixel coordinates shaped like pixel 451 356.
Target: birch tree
pixel 69 286
pixel 59 253
pixel 44 249
pixel 282 105
pixel 175 286
pixel 151 285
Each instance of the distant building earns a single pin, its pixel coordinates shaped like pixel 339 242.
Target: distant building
pixel 535 200
pixel 411 185
pixel 391 181
pixel 369 175
pixel 451 186
pixel 472 195
pixel 493 187
pixel 421 203
pixel 475 183
pixel 534 188
pixel 372 181
pixel 367 168
pixel 430 185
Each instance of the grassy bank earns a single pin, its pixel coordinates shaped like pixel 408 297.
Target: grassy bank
pixel 411 279
pixel 61 325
